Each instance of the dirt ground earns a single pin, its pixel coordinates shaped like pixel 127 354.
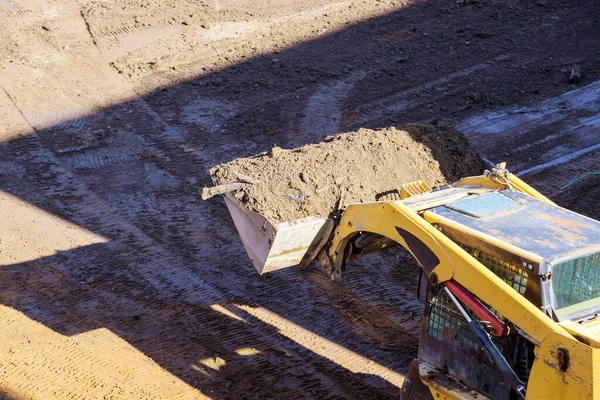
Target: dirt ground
pixel 117 281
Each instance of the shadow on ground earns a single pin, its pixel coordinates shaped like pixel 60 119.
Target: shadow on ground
pixel 174 281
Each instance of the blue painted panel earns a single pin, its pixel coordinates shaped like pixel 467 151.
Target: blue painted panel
pixel 549 231
pixel 484 204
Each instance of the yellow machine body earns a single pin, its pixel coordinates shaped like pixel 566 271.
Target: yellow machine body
pixel 566 363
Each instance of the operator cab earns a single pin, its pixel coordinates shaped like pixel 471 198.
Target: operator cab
pixel 548 254
pixel 536 240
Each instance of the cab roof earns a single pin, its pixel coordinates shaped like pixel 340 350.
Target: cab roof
pixel 523 221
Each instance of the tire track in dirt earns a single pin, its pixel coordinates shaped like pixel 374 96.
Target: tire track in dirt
pixel 192 293
pixel 134 258
pixel 402 101
pixel 13 9
pixel 210 41
pixel 573 185
pixel 42 181
pixel 323 111
pixel 548 133
pixel 318 378
pixel 31 368
pixel 56 182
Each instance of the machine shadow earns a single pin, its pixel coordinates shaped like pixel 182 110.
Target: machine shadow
pixel 172 262
pixel 218 349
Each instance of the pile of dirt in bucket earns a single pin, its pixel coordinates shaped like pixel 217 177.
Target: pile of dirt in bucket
pixel 314 180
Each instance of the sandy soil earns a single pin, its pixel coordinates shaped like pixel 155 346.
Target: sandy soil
pixel 112 113
pixel 315 180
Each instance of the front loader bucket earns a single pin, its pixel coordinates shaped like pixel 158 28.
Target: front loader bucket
pixel 276 246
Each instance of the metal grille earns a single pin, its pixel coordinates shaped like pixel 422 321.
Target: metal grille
pixel 444 316
pixel 509 273
pixel 445 319
pixel 576 281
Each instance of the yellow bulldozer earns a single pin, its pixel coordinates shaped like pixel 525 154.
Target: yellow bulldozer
pixel 510 282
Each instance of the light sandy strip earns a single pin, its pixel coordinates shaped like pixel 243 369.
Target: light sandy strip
pixel 39 363
pixel 560 160
pixel 323 347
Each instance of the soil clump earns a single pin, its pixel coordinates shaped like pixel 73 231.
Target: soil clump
pixel 355 167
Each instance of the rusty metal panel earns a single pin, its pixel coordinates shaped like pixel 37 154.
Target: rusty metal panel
pixel 485 204
pixel 537 227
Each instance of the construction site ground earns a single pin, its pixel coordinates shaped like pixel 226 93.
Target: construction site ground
pixel 118 282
